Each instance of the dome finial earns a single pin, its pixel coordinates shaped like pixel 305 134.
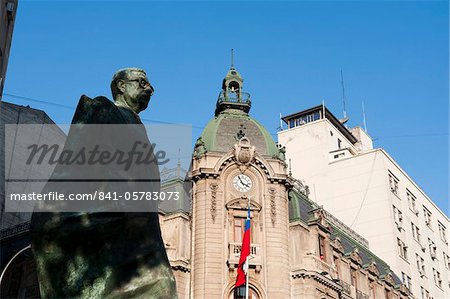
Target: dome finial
pixel 232 58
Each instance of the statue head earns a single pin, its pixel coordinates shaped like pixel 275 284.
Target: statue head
pixel 131 87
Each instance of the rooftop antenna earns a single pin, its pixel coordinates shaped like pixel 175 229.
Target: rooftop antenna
pixel 232 58
pixel 343 93
pixel 179 164
pixel 323 108
pixel 364 117
pixel 281 123
pixel 345 119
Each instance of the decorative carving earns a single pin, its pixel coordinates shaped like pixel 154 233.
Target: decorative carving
pixel 300 186
pixel 338 245
pixel 389 279
pixel 373 268
pixel 242 204
pixel 213 209
pixel 240 133
pixel 273 207
pixel 199 147
pixel 319 215
pixel 244 152
pixel 281 153
pixel 354 255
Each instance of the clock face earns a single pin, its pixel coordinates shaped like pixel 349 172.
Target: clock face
pixel 242 183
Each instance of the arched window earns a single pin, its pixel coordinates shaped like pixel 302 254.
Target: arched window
pixel 239 293
pixel 19 278
pixel 234 86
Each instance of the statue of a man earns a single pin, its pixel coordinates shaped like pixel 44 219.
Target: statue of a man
pixel 97 254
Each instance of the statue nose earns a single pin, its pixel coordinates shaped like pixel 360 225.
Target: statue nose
pixel 152 90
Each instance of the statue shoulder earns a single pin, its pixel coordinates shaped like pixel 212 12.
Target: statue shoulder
pixel 99 110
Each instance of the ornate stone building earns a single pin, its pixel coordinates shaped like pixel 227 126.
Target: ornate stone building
pixel 17 270
pixel 298 250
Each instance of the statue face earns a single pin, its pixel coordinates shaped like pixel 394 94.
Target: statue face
pixel 136 91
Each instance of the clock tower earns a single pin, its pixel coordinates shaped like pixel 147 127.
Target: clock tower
pixel 236 162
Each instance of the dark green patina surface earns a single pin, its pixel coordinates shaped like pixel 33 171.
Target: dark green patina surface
pixel 104 254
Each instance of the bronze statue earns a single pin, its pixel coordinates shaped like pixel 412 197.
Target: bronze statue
pixel 97 254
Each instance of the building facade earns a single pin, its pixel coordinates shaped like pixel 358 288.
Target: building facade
pixel 371 193
pixel 17 269
pixel 298 250
pixel 8 9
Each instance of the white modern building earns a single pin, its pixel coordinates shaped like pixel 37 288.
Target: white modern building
pixel 373 195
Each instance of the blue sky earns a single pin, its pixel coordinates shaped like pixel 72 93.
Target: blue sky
pixel 394 56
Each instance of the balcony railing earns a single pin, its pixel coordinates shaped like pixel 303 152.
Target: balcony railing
pixel 346 287
pixel 361 295
pixel 234 97
pixel 235 252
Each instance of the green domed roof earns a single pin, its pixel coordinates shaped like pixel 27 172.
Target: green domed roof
pixel 225 130
pixel 232 122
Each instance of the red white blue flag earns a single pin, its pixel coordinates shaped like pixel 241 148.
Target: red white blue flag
pixel 242 270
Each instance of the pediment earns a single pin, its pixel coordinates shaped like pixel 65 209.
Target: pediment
pixel 242 204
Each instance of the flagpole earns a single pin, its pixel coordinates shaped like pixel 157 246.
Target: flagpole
pixel 246 280
pixel 246 260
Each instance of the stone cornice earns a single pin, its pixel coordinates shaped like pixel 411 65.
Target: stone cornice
pixel 178 214
pixel 305 274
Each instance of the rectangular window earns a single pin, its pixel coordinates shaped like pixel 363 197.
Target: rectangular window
pixel 446 260
pixel 238 229
pixel 427 216
pixel 406 281
pixel 402 249
pixel 432 247
pixel 442 232
pixel 420 265
pixel 398 217
pixel 339 143
pixel 415 232
pixel 412 202
pixel 291 123
pixel 354 277
pixel 322 249
pixel 437 278
pixel 424 293
pixel 336 266
pixel 372 292
pixel 393 183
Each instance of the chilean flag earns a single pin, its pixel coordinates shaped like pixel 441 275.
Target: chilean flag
pixel 242 270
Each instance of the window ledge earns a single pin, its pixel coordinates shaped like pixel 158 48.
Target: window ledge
pixel 396 195
pixel 415 212
pixel 404 259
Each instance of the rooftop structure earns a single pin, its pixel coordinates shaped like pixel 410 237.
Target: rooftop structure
pixel 367 190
